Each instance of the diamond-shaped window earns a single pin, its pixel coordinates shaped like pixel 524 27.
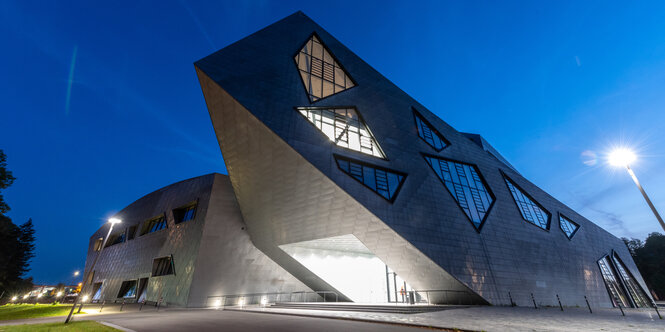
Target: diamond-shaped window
pixel 464 183
pixel 383 181
pixel 428 133
pixel 530 210
pixel 344 127
pixel 321 74
pixel 568 226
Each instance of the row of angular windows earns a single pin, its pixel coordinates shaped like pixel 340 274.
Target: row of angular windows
pixel 180 215
pixel 323 76
pixel 622 287
pixel 130 288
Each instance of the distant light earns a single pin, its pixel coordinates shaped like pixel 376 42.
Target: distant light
pixel 59 294
pixel 621 157
pixel 26 296
pixel 39 295
pixel 80 284
pixel 14 298
pixel 85 298
pixel 115 221
pixel 76 273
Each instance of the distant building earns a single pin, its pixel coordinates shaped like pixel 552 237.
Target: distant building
pixel 339 182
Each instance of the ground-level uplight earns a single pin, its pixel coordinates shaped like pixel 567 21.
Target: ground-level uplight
pixel 85 298
pixel 58 295
pixel 623 157
pixel 217 304
pixel 26 296
pixel 14 298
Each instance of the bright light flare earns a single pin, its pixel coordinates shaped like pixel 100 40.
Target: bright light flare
pixel 241 302
pixel 14 298
pixel 264 301
pixel 39 295
pixel 59 294
pixel 217 304
pixel 85 298
pixel 115 220
pixel 26 296
pixel 76 273
pixel 621 157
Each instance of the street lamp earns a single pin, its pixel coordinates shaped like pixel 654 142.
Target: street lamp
pixel 111 221
pixel 622 157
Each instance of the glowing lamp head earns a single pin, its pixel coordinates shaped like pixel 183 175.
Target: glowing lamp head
pixel 26 296
pixel 114 221
pixel 14 298
pixel 59 294
pixel 621 157
pixel 84 298
pixel 76 273
pixel 39 295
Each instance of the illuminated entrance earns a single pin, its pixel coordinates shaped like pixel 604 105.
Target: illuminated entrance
pixel 348 265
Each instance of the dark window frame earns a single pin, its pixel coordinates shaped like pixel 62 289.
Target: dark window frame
pixel 125 286
pixel 363 163
pixel 482 180
pixel 146 225
pixel 563 216
pixel 418 116
pixel 160 270
pixel 112 240
pixel 525 193
pixel 346 72
pixel 194 204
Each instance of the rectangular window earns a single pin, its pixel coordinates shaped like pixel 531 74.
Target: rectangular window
pixel 153 225
pixel 163 266
pixel 127 289
pixel 131 233
pixel 97 291
pixel 184 213
pixel 98 244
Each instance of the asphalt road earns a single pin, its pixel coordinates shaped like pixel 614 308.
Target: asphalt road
pixel 224 320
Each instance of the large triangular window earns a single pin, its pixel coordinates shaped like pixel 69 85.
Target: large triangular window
pixel 428 133
pixel 344 127
pixel 466 186
pixel 530 210
pixel 381 180
pixel 321 74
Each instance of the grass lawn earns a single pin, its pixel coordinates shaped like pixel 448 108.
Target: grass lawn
pixel 23 311
pixel 81 326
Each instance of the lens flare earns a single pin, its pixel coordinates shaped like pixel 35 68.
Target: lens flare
pixel 621 157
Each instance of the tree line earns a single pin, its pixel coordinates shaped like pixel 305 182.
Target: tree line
pixel 17 244
pixel 649 256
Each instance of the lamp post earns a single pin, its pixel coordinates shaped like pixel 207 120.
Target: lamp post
pixel 622 158
pixel 112 221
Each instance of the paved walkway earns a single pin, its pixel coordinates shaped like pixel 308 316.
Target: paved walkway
pixel 471 318
pixel 508 319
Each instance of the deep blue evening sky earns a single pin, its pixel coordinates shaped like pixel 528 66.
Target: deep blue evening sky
pixel 100 103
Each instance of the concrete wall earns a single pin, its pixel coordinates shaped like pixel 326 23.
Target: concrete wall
pixel 228 263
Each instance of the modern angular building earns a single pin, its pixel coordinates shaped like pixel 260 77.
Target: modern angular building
pixel 343 183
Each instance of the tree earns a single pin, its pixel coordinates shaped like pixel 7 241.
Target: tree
pixel 649 257
pixel 17 243
pixel 6 180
